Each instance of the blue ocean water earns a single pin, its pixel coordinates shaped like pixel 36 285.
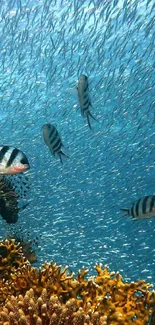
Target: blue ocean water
pixel 75 207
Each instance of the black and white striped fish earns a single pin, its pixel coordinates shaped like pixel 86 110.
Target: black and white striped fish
pixel 12 161
pixel 143 208
pixel 53 140
pixel 84 100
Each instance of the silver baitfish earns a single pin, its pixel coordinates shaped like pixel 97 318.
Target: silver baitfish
pixel 53 141
pixel 143 208
pixel 12 161
pixel 84 100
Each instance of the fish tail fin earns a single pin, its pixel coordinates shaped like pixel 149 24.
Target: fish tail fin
pixel 61 153
pixel 88 119
pixel 126 211
pixel 90 115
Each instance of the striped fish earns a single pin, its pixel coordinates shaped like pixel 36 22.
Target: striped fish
pixel 53 141
pixel 84 100
pixel 12 161
pixel 143 208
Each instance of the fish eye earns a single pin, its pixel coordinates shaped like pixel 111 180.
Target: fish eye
pixel 24 161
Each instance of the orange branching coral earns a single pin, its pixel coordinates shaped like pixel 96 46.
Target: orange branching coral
pixel 51 295
pixel 50 276
pixel 123 303
pixel 29 246
pixel 103 299
pixel 11 257
pixel 152 319
pixel 31 310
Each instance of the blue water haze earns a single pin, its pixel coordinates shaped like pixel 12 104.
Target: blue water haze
pixel 75 207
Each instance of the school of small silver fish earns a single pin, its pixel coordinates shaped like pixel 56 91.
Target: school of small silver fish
pixel 103 52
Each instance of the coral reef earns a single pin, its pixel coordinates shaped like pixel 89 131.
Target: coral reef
pixel 50 295
pixel 11 258
pixel 49 276
pixel 29 310
pixel 29 246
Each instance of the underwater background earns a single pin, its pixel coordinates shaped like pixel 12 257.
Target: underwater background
pixel 75 207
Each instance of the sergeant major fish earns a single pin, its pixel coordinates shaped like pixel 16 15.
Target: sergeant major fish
pixel 143 208
pixel 84 100
pixel 12 161
pixel 53 141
